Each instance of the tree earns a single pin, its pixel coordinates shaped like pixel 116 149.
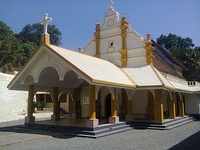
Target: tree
pixel 173 41
pixel 192 61
pixel 7 41
pixel 32 33
pixel 183 49
pixel 13 53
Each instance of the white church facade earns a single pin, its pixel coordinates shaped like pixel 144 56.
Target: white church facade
pixel 119 76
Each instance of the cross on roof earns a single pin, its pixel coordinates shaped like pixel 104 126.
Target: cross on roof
pixel 45 22
pixel 111 3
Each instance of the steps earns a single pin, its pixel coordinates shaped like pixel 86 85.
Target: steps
pixel 101 131
pixel 166 125
pixel 109 129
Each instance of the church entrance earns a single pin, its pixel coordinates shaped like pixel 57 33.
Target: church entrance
pixel 108 105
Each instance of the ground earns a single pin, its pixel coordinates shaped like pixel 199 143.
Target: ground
pixel 183 137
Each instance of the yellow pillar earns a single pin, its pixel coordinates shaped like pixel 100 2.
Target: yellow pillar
pixel 149 50
pixel 172 111
pixel 181 108
pixel 129 111
pixel 92 122
pixel 45 39
pixel 75 97
pixel 30 100
pixel 123 52
pixel 113 108
pixel 159 106
pixel 56 105
pixel 97 40
pixel 30 118
pixel 92 102
pixel 114 119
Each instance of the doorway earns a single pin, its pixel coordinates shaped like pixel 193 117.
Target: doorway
pixel 108 105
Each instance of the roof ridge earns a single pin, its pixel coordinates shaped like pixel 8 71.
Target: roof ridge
pixel 154 70
pixel 80 53
pixel 131 79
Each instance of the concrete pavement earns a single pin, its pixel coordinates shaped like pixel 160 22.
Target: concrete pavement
pixel 183 137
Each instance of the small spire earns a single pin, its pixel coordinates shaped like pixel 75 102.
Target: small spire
pixel 45 22
pixel 124 18
pixel 97 25
pixel 111 3
pixel 80 49
pixel 148 36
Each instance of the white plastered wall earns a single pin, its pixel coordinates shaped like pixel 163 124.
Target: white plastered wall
pixel 192 104
pixel 13 103
pixel 139 102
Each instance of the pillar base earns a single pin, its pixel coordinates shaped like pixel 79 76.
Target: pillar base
pixel 92 123
pixel 114 120
pixel 30 120
pixel 129 118
pixel 172 117
pixel 55 118
pixel 73 115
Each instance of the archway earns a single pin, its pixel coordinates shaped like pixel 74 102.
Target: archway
pixel 122 103
pixel 108 105
pixel 167 102
pixel 43 102
pixel 49 77
pixel 66 100
pixel 103 103
pixel 150 107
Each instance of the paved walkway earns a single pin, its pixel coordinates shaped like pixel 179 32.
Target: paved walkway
pixel 184 137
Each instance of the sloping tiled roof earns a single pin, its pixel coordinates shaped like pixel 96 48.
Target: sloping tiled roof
pixel 163 66
pixel 170 57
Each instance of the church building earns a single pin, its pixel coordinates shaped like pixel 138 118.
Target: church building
pixel 118 77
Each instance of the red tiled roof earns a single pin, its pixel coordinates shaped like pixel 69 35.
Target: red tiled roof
pixel 169 56
pixel 163 66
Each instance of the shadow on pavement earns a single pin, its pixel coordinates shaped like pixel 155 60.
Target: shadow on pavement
pixel 26 130
pixel 191 143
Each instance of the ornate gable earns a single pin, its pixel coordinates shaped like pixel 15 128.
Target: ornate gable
pixel 118 43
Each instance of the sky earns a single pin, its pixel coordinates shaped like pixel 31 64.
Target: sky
pixel 76 19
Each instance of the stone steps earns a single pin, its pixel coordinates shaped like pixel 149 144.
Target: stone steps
pixel 166 125
pixel 101 131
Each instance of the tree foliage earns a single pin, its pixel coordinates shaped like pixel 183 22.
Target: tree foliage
pixel 185 51
pixel 32 33
pixel 16 49
pixel 9 47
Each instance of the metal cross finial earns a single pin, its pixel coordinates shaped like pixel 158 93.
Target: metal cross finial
pixel 111 5
pixel 45 22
